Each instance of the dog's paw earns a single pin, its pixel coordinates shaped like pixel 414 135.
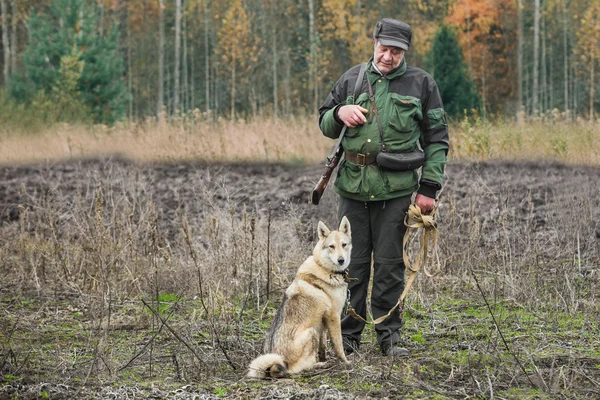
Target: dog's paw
pixel 322 365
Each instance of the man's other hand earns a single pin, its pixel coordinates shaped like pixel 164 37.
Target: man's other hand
pixel 425 203
pixel 352 115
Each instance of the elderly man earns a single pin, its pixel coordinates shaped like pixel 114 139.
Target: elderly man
pixel 395 108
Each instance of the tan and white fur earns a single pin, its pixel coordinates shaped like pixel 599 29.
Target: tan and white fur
pixel 310 310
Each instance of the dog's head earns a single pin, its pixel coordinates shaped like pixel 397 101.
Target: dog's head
pixel 334 247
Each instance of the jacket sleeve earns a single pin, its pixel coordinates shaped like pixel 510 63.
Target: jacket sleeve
pixel 434 139
pixel 329 123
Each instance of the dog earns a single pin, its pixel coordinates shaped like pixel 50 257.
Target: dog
pixel 311 309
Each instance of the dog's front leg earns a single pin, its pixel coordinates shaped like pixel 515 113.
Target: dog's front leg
pixel 335 334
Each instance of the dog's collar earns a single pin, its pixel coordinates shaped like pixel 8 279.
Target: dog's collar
pixel 345 275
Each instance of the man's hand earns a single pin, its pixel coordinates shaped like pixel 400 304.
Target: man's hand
pixel 425 203
pixel 352 115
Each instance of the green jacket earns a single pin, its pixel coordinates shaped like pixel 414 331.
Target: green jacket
pixel 412 115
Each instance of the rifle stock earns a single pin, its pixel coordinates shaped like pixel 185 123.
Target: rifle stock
pixel 332 163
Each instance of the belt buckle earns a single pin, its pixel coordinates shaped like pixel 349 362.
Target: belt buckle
pixel 360 157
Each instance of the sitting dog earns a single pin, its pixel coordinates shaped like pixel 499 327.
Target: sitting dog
pixel 310 309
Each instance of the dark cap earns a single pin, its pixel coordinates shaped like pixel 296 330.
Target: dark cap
pixel 391 32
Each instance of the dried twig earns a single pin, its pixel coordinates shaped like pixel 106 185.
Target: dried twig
pixel 164 322
pixel 499 330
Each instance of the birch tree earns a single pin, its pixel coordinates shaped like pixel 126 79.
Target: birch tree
pixel 176 85
pixel 565 55
pixel 520 55
pixel 13 43
pixel 5 40
pixel 536 57
pixel 161 58
pixel 313 80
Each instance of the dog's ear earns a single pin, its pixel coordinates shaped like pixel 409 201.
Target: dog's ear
pixel 323 230
pixel 345 226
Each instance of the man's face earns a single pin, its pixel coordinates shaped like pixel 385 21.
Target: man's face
pixel 387 58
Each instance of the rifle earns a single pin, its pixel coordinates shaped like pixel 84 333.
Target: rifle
pixel 338 151
pixel 332 163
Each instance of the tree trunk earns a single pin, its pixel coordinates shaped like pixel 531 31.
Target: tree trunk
pixel 129 74
pixel 469 58
pixel 176 85
pixel 565 55
pixel 206 58
pixel 544 88
pixel 13 42
pixel 574 90
pixel 288 81
pixel 274 65
pixel 483 86
pixel 520 55
pixel 593 61
pixel 161 60
pixel 101 22
pixel 551 79
pixel 536 50
pixel 233 92
pixel 185 90
pixel 169 89
pixel 313 53
pixel 216 92
pixel 5 40
pixel 193 63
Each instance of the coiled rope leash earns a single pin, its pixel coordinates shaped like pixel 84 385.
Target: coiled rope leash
pixel 414 221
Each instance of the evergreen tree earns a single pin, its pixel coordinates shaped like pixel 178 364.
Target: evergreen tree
pixel 446 64
pixel 71 28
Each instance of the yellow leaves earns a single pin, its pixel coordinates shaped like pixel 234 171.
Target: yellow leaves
pixel 343 21
pixel 236 47
pixel 588 44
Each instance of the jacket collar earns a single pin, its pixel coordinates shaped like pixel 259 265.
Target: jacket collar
pixel 375 73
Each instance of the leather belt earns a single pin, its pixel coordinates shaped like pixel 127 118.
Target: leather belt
pixel 360 159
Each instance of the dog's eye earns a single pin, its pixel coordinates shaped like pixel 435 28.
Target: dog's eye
pixel 331 246
pixel 344 244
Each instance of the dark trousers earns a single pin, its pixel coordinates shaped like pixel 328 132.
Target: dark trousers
pixel 377 231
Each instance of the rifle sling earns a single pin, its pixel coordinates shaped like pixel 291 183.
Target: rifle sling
pixel 357 89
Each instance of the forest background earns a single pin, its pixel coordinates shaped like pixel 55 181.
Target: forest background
pixel 146 58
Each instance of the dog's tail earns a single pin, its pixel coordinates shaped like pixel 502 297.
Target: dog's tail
pixel 268 366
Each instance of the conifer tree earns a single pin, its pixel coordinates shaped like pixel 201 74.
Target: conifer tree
pixel 71 27
pixel 446 64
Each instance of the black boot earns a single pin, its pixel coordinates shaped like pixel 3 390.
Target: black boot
pixel 394 351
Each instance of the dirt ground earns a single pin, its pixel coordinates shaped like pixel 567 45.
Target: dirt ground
pixel 281 187
pixel 554 206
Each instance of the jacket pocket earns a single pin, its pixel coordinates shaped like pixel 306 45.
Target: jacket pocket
pixel 437 118
pixel 349 177
pixel 405 112
pixel 399 180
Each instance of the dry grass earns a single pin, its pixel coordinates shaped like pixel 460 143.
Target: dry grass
pixel 549 138
pixel 185 138
pixel 298 140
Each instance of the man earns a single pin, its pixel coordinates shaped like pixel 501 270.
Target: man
pixel 376 199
